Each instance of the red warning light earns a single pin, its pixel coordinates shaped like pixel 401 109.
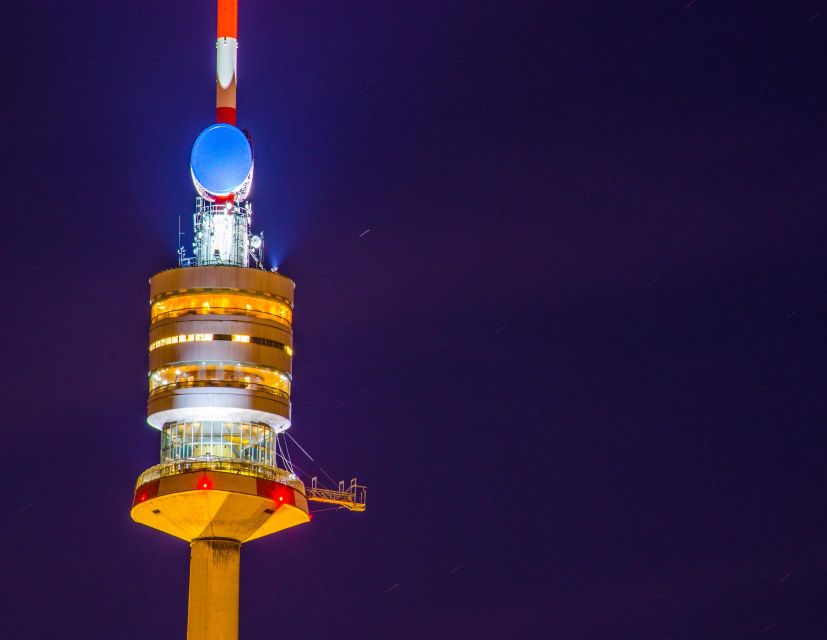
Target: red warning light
pixel 142 497
pixel 204 483
pixel 281 498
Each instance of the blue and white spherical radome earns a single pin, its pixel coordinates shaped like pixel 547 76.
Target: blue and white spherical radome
pixel 221 162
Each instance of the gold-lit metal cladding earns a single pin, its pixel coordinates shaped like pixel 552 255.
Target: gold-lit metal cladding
pixel 223 303
pixel 219 374
pixel 230 279
pixel 221 398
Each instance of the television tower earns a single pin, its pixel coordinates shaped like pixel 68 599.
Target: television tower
pixel 220 375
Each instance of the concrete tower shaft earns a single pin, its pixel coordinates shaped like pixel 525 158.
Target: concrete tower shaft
pixel 213 597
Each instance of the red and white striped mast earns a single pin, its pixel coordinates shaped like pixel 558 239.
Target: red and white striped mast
pixel 226 71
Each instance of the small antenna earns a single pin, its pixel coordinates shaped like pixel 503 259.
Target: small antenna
pixel 181 250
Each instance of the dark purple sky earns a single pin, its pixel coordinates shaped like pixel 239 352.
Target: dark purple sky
pixel 578 358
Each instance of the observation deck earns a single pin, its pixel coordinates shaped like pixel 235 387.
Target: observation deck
pixel 352 497
pixel 219 498
pixel 230 498
pixel 220 377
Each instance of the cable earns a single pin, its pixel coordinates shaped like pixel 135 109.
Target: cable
pixel 286 459
pixel 287 450
pixel 311 459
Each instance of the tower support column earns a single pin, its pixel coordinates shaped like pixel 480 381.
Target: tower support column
pixel 213 597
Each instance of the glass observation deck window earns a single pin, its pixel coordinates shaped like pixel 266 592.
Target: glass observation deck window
pixel 206 440
pixel 217 302
pixel 220 374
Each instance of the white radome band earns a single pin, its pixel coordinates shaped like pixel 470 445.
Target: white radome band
pixel 226 61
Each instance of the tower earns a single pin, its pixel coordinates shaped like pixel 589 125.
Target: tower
pixel 220 375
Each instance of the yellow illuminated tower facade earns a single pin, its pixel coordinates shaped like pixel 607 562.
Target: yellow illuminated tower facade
pixel 220 376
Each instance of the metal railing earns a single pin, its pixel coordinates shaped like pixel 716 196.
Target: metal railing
pixel 234 384
pixel 224 465
pixel 354 497
pixel 209 311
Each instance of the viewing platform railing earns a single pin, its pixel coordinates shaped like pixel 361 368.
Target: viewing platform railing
pixel 235 384
pixel 224 465
pixel 353 498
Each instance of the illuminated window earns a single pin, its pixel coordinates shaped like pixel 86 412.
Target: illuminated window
pixel 210 337
pixel 208 440
pixel 217 302
pixel 220 374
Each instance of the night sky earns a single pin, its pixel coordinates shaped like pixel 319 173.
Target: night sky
pixel 560 305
